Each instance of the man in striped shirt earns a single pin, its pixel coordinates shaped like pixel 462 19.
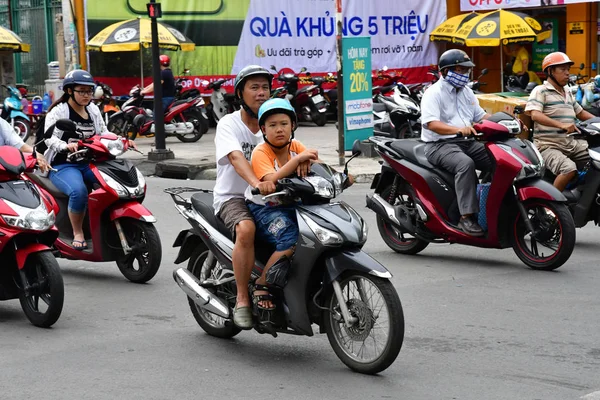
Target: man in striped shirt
pixel 554 111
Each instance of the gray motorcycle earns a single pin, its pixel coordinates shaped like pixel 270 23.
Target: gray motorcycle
pixel 329 282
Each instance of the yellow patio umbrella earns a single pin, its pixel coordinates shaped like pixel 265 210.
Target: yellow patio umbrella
pixel 11 41
pixel 135 34
pixel 496 28
pixel 445 32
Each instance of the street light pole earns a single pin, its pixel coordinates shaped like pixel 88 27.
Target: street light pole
pixel 160 152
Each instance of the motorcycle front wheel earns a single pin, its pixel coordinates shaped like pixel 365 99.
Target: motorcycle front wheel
pixel 372 342
pixel 143 262
pixel 22 128
pixel 211 323
pixel 43 293
pixel 553 238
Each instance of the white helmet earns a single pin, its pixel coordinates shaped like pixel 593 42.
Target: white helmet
pixel 98 92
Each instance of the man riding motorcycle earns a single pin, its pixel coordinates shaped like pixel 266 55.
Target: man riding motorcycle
pixel 554 110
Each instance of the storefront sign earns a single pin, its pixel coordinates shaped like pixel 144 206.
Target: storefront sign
pixel 547 46
pixel 479 5
pixel 358 103
pixel 576 28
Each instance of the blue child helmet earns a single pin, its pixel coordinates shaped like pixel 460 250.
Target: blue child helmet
pixel 276 106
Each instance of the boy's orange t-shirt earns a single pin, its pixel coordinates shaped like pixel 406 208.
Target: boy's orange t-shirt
pixel 264 160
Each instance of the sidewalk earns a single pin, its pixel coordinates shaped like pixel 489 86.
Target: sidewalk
pixel 197 160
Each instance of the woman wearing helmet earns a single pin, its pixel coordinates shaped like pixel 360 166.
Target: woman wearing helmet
pixel 553 109
pixel 71 178
pixel 275 159
pixel 167 81
pixel 449 108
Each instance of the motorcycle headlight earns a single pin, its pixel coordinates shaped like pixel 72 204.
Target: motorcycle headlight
pixel 114 147
pixel 325 236
pixel 37 219
pixel 322 186
pixel 527 168
pixel 116 186
pixel 141 182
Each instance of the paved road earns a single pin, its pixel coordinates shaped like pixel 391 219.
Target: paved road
pixel 479 326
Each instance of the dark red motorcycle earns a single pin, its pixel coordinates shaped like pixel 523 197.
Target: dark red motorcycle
pixel 185 119
pixel 117 226
pixel 28 269
pixel 416 203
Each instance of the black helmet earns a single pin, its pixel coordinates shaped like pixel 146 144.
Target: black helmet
pixel 78 77
pixel 246 72
pixel 454 57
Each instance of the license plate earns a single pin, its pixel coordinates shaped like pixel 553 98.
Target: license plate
pixel 317 98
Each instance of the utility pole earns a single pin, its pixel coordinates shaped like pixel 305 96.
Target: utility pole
pixel 160 152
pixel 340 82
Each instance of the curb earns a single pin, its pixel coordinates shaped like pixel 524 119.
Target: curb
pixel 205 170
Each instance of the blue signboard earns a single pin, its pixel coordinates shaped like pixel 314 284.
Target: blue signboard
pixel 358 101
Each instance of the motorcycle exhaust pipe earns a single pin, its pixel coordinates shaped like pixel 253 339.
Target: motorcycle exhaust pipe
pixel 202 297
pixel 397 215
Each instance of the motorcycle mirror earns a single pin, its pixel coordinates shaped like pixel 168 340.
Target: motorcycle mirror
pixel 519 110
pixel 66 125
pixel 484 71
pixel 581 66
pixel 303 69
pixel 273 68
pixel 356 151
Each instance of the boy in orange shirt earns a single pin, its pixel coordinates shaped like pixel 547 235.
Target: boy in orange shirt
pixel 275 218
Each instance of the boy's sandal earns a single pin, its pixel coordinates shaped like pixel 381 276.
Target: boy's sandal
pixel 259 300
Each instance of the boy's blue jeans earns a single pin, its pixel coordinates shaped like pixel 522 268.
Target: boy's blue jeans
pixel 71 179
pixel 275 225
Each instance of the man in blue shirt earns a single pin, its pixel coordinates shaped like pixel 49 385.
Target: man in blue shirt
pixel 449 108
pixel 8 137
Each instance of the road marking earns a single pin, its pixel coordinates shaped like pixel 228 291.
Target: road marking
pixel 592 396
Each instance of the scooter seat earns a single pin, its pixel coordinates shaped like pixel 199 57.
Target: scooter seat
pixel 414 151
pixel 203 203
pixel 47 184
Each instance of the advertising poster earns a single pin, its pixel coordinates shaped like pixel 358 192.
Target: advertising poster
pixel 479 5
pixel 547 46
pixel 230 34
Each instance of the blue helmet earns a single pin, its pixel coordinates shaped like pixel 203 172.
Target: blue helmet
pixel 78 77
pixel 276 106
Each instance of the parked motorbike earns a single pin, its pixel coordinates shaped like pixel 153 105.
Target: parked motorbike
pixel 476 84
pixel 184 119
pixel 309 104
pixel 331 281
pixel 396 115
pixel 117 226
pixel 329 95
pixel 221 102
pixel 12 111
pixel 416 203
pixel 103 98
pixel 28 270
pixel 583 194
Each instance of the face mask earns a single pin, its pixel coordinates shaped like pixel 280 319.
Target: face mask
pixel 457 80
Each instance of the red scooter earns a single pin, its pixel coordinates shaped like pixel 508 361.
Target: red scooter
pixel 185 119
pixel 416 203
pixel 28 269
pixel 117 226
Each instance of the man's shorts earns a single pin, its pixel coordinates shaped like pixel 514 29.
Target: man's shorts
pixel 563 156
pixel 234 211
pixel 275 225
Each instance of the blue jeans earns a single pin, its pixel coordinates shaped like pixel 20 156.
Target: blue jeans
pixel 71 179
pixel 275 225
pixel 166 101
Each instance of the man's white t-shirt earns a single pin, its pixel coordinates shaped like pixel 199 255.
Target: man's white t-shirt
pixel 232 134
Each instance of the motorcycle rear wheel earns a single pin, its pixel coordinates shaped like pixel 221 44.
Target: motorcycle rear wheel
pixel 351 344
pixel 209 322
pixel 320 119
pixel 120 126
pixel 556 232
pixel 148 254
pixel 43 303
pixel 200 126
pixel 391 235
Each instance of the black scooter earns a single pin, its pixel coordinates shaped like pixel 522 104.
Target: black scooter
pixel 330 281
pixel 583 194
